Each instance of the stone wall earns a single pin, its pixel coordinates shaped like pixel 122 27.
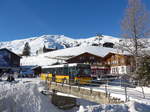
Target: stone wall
pixel 85 93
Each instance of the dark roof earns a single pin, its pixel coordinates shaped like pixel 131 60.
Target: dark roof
pixel 108 43
pixel 82 54
pixel 10 51
pixel 111 53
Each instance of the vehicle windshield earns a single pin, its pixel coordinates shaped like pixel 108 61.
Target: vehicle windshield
pixel 84 71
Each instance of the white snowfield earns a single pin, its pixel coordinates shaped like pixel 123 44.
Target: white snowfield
pixel 24 95
pixel 53 41
pixel 58 41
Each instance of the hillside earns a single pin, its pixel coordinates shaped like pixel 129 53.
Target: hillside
pixel 54 41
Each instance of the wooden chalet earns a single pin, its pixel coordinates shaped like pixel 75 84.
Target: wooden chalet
pixel 94 60
pixel 86 58
pixel 110 64
pixel 8 59
pixel 119 63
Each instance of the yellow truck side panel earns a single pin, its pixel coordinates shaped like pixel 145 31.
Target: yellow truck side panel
pixel 83 80
pixel 46 76
pixel 60 78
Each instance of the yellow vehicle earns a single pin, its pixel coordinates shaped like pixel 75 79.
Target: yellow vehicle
pixel 75 73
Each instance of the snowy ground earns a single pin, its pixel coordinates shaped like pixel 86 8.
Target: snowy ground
pixel 133 94
pixel 24 95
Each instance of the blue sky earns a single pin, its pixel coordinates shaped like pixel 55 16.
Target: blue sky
pixel 73 18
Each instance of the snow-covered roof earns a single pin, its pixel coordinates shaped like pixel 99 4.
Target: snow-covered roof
pixel 64 54
pixel 37 60
pixel 74 51
pixel 5 49
pixel 63 65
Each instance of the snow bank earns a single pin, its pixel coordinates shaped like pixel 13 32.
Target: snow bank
pixel 24 96
pixel 127 107
pixel 104 108
pixel 138 107
pixel 146 89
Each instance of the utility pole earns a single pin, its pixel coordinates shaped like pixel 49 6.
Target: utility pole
pixel 99 36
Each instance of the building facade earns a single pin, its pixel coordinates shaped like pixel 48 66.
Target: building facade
pixel 86 58
pixel 8 59
pixel 119 63
pixel 111 64
pixel 95 61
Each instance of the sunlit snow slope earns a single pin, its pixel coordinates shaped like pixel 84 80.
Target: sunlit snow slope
pixel 53 41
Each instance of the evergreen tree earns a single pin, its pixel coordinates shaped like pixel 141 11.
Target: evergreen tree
pixel 26 50
pixel 44 49
pixel 143 72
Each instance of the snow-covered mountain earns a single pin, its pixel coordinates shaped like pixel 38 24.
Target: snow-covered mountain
pixel 53 41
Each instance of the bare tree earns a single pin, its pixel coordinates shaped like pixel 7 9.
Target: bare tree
pixel 135 29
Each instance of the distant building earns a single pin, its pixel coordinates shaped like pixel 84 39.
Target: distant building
pixel 45 50
pixel 108 44
pixel 95 61
pixel 9 59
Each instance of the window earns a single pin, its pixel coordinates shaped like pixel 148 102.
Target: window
pixel 92 57
pixel 65 70
pixel 122 60
pixel 113 57
pixel 81 58
pixel 116 70
pixel 113 70
pixel 122 69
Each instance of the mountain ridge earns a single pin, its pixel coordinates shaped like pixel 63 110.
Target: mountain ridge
pixel 53 41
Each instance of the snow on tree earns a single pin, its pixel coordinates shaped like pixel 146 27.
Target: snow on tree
pixel 26 50
pixel 135 29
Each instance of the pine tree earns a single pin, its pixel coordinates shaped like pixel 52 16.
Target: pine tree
pixel 143 72
pixel 26 50
pixel 44 49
